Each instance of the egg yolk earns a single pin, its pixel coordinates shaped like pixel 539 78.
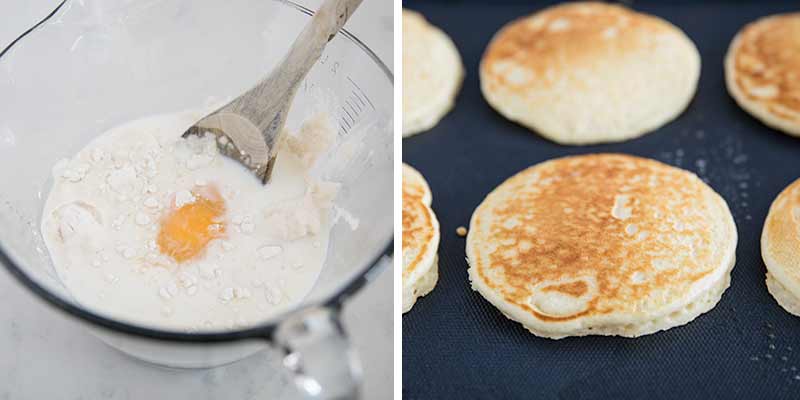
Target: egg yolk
pixel 186 230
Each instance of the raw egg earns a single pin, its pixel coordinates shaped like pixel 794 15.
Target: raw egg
pixel 195 219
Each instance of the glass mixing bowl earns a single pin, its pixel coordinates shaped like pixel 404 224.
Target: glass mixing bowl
pixel 95 64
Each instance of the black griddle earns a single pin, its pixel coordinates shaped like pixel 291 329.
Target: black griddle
pixel 457 346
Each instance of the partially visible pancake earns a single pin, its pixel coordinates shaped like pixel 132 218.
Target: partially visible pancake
pixel 582 73
pixel 432 73
pixel 601 245
pixel 762 71
pixel 780 248
pixel 420 238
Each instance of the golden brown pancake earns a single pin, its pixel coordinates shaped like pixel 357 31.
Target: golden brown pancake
pixel 420 238
pixel 762 71
pixel 601 244
pixel 586 72
pixel 780 248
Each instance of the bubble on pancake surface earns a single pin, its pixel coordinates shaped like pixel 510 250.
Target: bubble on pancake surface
pixel 621 209
pixel 638 277
pixel 563 298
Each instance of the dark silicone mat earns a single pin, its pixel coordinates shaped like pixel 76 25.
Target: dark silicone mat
pixel 456 345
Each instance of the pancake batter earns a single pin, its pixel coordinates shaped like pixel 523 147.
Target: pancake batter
pixel 145 226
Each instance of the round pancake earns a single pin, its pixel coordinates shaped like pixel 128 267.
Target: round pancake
pixel 601 245
pixel 432 74
pixel 420 238
pixel 780 248
pixel 584 73
pixel 762 71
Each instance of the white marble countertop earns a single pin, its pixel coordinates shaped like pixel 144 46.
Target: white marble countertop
pixel 45 354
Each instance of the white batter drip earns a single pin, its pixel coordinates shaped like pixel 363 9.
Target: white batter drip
pixel 103 214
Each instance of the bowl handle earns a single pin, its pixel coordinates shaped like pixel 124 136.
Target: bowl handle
pixel 319 355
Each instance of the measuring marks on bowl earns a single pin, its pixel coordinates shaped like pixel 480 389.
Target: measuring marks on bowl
pixel 355 103
pixel 352 108
pixel 350 102
pixel 338 87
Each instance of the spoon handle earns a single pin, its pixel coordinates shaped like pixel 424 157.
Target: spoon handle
pixel 308 47
pixel 286 77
